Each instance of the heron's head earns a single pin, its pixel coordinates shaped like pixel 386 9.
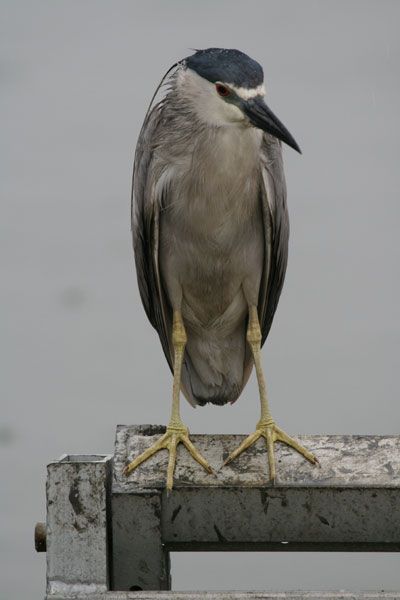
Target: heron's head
pixel 227 87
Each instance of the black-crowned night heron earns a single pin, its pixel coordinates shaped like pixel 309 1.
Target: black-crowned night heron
pixel 210 234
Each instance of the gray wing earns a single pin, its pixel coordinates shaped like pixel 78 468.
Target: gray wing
pixel 276 231
pixel 145 233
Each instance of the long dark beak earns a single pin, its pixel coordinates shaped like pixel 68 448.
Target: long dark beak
pixel 261 116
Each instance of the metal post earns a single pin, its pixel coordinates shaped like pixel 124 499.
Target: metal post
pixel 140 559
pixel 77 530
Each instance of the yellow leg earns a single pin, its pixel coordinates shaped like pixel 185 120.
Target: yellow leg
pixel 176 430
pixel 266 426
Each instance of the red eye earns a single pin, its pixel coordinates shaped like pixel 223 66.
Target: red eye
pixel 222 90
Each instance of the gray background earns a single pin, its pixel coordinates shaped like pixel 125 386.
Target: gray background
pixel 80 357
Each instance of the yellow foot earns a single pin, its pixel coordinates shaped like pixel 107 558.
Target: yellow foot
pixel 169 441
pixel 272 434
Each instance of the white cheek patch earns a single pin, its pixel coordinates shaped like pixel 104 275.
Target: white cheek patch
pixel 246 93
pixel 205 101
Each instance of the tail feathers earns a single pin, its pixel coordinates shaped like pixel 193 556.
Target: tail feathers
pixel 214 370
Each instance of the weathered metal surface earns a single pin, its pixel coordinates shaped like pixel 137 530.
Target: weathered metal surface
pixel 254 515
pixel 40 537
pixel 140 561
pixel 351 503
pixel 346 461
pixel 140 558
pixel 301 595
pixel 77 529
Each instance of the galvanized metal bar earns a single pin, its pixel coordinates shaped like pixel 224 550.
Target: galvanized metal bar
pixel 351 503
pixel 343 519
pixel 77 530
pixel 228 595
pixel 140 560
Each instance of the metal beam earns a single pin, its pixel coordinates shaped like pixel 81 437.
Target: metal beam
pixel 109 531
pixel 350 503
pixel 301 595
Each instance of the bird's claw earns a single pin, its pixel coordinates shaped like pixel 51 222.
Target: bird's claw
pixel 271 433
pixel 174 435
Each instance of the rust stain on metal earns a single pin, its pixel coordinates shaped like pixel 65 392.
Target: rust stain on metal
pixel 176 513
pixel 219 535
pixel 74 497
pixel 323 520
pixel 40 537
